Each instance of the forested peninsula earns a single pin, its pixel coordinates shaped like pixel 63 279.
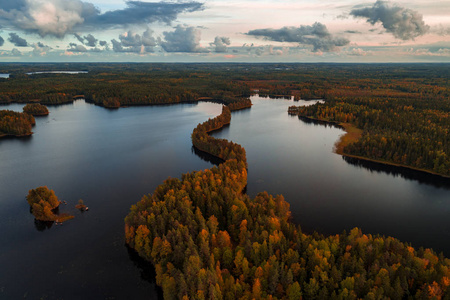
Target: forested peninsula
pixel 208 239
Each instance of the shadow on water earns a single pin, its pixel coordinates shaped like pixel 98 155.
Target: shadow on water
pixel 396 171
pixel 206 156
pixel 318 122
pixel 406 173
pixel 146 269
pixel 42 225
pixel 24 139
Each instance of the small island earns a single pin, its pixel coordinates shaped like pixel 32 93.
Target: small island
pixel 81 206
pixel 44 205
pixel 15 123
pixel 35 109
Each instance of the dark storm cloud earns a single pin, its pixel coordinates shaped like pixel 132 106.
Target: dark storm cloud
pixel 2 41
pixel 403 23
pixel 103 43
pixel 15 39
pixel 59 17
pixel 316 35
pixel 220 44
pixel 182 39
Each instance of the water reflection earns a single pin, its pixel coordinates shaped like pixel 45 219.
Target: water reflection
pixel 319 122
pixel 42 225
pixel 206 156
pixel 403 172
pixel 57 72
pixel 146 269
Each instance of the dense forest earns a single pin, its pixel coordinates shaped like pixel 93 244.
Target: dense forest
pixel 409 128
pixel 15 123
pixel 35 109
pixel 208 240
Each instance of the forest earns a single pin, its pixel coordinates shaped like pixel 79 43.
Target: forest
pixel 15 123
pixel 206 238
pixel 404 123
pixel 35 109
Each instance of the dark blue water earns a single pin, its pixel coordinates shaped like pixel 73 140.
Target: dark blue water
pixel 328 193
pixel 110 158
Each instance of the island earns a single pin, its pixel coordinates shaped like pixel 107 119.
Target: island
pixel 208 239
pixel 44 205
pixel 35 109
pixel 81 206
pixel 15 124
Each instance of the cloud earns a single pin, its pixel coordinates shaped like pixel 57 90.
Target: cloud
pixel 40 49
pixel 353 32
pixel 134 43
pixel 2 41
pixel 17 40
pixel 220 44
pixel 59 17
pixel 182 39
pixel 259 51
pixel 316 35
pixel 77 48
pixel 275 51
pixel 403 23
pixel 144 12
pixel 16 52
pixel 91 41
pixel 443 52
pixel 359 52
pixel 79 37
pixel 49 17
pixel 439 30
pixel 103 43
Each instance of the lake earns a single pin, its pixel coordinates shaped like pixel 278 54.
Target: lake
pixel 57 72
pixel 329 193
pixel 4 75
pixel 110 158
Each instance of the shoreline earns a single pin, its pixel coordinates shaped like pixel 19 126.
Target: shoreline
pixel 352 135
pixel 15 136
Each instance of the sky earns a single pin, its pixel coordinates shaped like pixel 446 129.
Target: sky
pixel 224 31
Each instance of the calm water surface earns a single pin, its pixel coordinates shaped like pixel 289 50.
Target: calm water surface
pixel 57 72
pixel 329 194
pixel 110 158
